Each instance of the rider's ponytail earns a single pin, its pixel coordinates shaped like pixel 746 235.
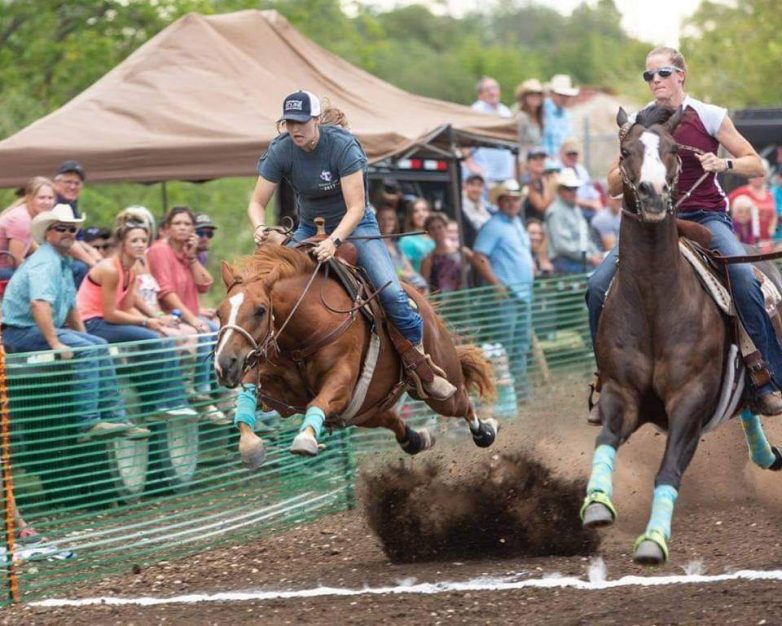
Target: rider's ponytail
pixel 333 116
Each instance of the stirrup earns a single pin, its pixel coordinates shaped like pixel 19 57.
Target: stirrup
pixel 428 380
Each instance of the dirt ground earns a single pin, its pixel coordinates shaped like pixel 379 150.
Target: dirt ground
pixel 728 518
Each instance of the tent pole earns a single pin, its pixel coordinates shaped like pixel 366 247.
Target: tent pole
pixel 455 188
pixel 164 194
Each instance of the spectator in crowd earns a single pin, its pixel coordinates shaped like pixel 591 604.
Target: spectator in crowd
pixel 607 221
pixel 388 223
pixel 762 199
pixel 100 239
pixel 539 248
pixel 494 164
pixel 503 258
pixel 746 220
pixel 541 185
pixel 453 233
pixel 529 115
pixel 557 125
pixel 442 267
pixel 205 229
pixel 181 277
pixel 15 236
pixel 109 304
pixel 68 185
pixel 776 191
pixel 475 209
pixel 39 313
pixel 571 249
pixel 588 197
pixel 416 247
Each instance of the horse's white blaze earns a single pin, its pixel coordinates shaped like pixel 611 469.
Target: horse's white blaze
pixel 652 169
pixel 235 302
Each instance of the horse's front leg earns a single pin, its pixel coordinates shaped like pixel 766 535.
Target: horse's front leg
pixel 251 448
pixel 684 431
pixel 619 417
pixel 410 440
pixel 332 398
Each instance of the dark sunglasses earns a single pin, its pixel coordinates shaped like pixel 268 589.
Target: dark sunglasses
pixel 104 246
pixel 205 232
pixel 664 72
pixel 66 229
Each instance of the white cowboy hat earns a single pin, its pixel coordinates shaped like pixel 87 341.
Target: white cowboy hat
pixel 569 178
pixel 60 214
pixel 509 187
pixel 562 84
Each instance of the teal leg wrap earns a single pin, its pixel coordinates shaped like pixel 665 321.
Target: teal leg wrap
pixel 314 419
pixel 602 470
pixel 662 511
pixel 759 448
pixel 246 403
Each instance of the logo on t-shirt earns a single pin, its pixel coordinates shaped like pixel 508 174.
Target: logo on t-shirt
pixel 325 175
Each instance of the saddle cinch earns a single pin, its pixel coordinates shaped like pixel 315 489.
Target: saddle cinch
pixel 743 356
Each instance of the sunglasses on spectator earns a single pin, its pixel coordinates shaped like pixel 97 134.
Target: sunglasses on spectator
pixel 103 246
pixel 66 229
pixel 205 232
pixel 664 72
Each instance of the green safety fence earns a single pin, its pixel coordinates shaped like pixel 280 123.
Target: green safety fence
pixel 107 507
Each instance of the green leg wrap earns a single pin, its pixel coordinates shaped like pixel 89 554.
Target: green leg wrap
pixel 314 418
pixel 662 511
pixel 759 448
pixel 246 403
pixel 602 471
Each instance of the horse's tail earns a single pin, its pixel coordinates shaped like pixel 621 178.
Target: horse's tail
pixel 477 371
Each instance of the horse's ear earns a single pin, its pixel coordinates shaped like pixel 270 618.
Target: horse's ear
pixel 227 274
pixel 271 278
pixel 621 117
pixel 674 120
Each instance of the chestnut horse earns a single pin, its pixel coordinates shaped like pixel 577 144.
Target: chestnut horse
pixel 661 343
pixel 279 307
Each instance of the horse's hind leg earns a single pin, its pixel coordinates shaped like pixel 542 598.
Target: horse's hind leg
pixel 684 430
pixel 761 452
pixel 484 431
pixel 410 440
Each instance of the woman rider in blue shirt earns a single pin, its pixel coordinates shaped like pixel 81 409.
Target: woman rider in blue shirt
pixel 326 167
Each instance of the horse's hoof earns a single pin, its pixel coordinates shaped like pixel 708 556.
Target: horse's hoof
pixel 417 441
pixel 649 552
pixel 305 445
pixel 252 451
pixel 777 464
pixel 597 515
pixel 486 434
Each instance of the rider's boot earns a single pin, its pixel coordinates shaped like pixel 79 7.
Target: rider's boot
pixel 427 378
pixel 767 404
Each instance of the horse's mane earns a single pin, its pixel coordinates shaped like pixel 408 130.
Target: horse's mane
pixel 273 258
pixel 654 114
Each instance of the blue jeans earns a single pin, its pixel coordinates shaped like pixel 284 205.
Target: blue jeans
pixel 205 377
pixel 746 289
pixel 564 265
pixel 80 270
pixel 374 258
pixel 514 333
pixel 95 381
pixel 157 376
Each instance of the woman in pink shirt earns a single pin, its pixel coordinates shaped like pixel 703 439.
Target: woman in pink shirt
pixel 15 236
pixel 111 308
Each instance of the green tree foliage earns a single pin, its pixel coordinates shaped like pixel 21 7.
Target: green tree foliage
pixel 734 53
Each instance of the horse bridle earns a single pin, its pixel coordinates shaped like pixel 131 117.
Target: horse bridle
pixel 629 184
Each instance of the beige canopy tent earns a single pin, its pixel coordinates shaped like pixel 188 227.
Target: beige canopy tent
pixel 200 100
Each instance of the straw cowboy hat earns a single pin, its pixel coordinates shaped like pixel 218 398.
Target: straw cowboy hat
pixel 562 84
pixel 60 214
pixel 531 85
pixel 509 187
pixel 568 178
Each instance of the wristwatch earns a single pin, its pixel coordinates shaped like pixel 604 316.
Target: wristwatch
pixel 337 241
pixel 728 164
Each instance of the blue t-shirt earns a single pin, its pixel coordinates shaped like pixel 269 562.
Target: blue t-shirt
pixel 505 243
pixel 47 276
pixel 315 176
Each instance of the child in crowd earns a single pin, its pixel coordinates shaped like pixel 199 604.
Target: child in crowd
pixel 416 247
pixel 442 267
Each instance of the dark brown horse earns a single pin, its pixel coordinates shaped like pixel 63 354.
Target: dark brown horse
pixel 662 342
pixel 314 363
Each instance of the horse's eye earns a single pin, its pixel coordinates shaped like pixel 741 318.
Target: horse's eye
pixel 674 148
pixel 624 152
pixel 260 311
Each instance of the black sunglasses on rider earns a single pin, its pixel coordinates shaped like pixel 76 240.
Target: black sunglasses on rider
pixel 66 229
pixel 664 72
pixel 205 232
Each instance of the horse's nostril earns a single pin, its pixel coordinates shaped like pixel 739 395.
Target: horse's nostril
pixel 646 188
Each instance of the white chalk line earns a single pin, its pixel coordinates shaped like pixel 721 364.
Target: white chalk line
pixel 475 584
